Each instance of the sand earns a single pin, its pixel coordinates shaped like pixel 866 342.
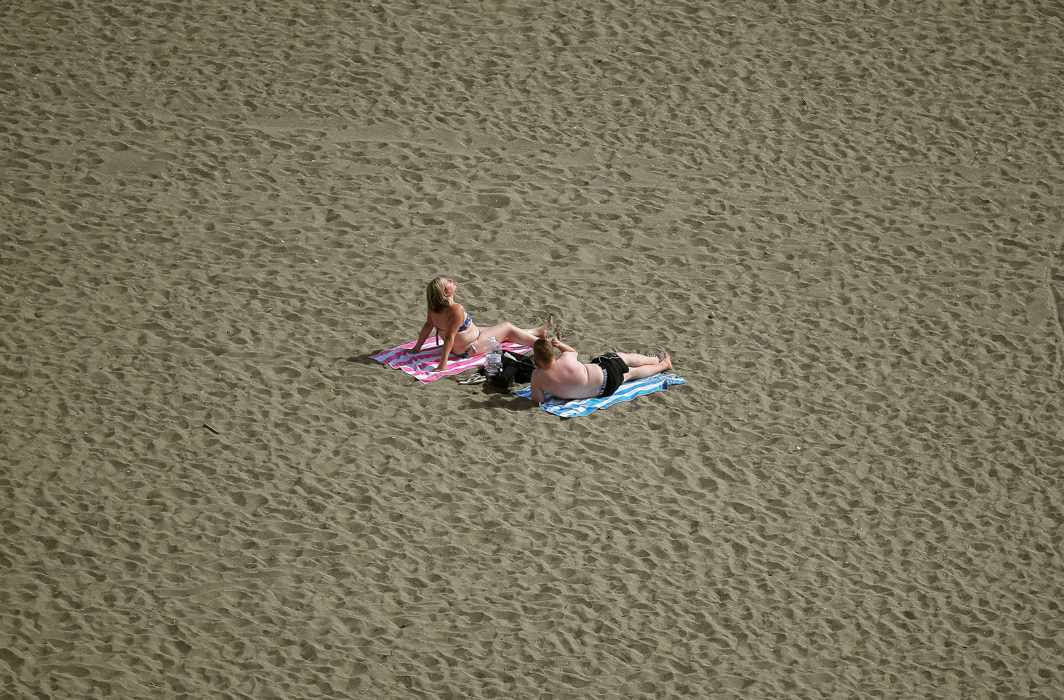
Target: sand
pixel 845 219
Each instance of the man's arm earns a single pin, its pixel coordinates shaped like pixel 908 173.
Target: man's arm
pixel 538 395
pixel 560 345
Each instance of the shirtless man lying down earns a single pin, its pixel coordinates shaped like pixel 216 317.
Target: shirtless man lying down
pixel 560 374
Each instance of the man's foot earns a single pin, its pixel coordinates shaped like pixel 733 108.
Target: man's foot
pixel 545 329
pixel 557 328
pixel 665 360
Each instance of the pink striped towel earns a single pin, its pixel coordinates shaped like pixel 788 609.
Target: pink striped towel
pixel 422 365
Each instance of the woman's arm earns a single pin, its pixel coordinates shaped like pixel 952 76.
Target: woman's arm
pixel 423 335
pixel 454 319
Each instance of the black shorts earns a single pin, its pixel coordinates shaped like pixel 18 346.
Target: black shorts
pixel 613 367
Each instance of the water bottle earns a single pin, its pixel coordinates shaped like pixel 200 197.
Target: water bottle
pixel 494 362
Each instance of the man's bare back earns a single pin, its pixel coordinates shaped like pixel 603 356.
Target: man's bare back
pixel 565 377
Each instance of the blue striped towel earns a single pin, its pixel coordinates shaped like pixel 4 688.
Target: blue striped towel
pixel 625 392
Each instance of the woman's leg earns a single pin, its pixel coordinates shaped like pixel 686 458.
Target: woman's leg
pixel 507 331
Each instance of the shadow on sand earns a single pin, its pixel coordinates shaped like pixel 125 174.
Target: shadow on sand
pixel 500 399
pixel 366 359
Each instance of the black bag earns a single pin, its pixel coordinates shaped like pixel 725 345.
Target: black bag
pixel 516 369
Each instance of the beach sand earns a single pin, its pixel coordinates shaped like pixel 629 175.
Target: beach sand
pixel 845 220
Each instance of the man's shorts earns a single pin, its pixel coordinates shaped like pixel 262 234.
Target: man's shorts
pixel 613 369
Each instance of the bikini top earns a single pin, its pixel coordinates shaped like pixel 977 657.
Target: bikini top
pixel 465 324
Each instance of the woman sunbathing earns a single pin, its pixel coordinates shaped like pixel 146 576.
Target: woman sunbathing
pixel 460 334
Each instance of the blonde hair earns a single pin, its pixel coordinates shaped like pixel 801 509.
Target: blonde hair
pixel 543 352
pixel 435 295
